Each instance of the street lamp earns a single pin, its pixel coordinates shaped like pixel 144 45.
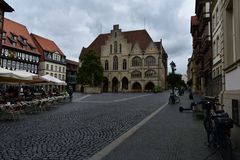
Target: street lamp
pixel 172 95
pixel 173 66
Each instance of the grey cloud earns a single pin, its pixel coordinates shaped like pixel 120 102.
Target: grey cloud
pixel 73 24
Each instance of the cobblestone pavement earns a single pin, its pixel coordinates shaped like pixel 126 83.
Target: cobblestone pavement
pixel 170 135
pixel 77 129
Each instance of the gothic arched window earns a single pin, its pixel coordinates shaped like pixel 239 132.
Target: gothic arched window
pixel 106 65
pixel 115 63
pixel 136 61
pixel 124 64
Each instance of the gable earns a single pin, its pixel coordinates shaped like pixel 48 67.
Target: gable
pixel 152 49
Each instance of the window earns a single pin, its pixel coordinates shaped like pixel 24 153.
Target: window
pixel 63 77
pixel 217 45
pixel 115 63
pixel 136 74
pixel 136 61
pixel 49 56
pixel 9 64
pixel 63 69
pixel 235 112
pixel 124 64
pixel 37 59
pixel 115 46
pixel 35 69
pixel 51 67
pixel 120 48
pixel 18 65
pixel 21 66
pixel 14 44
pixel 47 66
pixel 25 66
pixel 6 52
pixel 23 56
pixel 115 34
pixel 47 73
pixel 29 68
pixel 51 74
pixel 55 75
pixel 150 61
pixel 30 57
pixel 59 76
pixel 60 69
pixel 55 68
pixel 150 73
pixel 4 34
pixel 4 63
pixel 106 65
pixel 110 48
pixel 13 65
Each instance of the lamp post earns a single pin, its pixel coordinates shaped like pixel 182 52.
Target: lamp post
pixel 172 95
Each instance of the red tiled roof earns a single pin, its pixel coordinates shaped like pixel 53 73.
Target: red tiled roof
pixel 139 36
pixel 194 21
pixel 19 30
pixel 5 6
pixel 46 45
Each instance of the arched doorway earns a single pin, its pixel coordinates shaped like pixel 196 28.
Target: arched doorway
pixel 114 84
pixel 136 87
pixel 149 87
pixel 125 84
pixel 105 84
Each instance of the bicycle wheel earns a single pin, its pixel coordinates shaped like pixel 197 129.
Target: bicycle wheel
pixel 226 149
pixel 209 129
pixel 177 99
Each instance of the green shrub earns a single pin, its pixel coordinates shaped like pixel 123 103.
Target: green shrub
pixel 157 89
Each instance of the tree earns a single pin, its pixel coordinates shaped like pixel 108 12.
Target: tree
pixel 91 70
pixel 175 80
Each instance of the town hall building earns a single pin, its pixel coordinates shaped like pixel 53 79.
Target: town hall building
pixel 132 61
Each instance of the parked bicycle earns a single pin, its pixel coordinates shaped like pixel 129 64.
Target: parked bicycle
pixel 173 99
pixel 218 124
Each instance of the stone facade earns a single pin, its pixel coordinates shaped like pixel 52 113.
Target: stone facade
pixel 202 50
pixel 217 47
pixel 132 62
pixel 72 69
pixel 231 94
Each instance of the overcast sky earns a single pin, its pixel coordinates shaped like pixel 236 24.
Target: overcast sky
pixel 74 24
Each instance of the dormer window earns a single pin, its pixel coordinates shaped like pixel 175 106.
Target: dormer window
pixel 4 35
pixel 13 44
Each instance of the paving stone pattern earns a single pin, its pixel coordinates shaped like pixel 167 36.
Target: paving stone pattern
pixel 170 135
pixel 75 130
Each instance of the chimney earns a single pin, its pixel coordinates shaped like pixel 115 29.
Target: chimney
pixel 116 27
